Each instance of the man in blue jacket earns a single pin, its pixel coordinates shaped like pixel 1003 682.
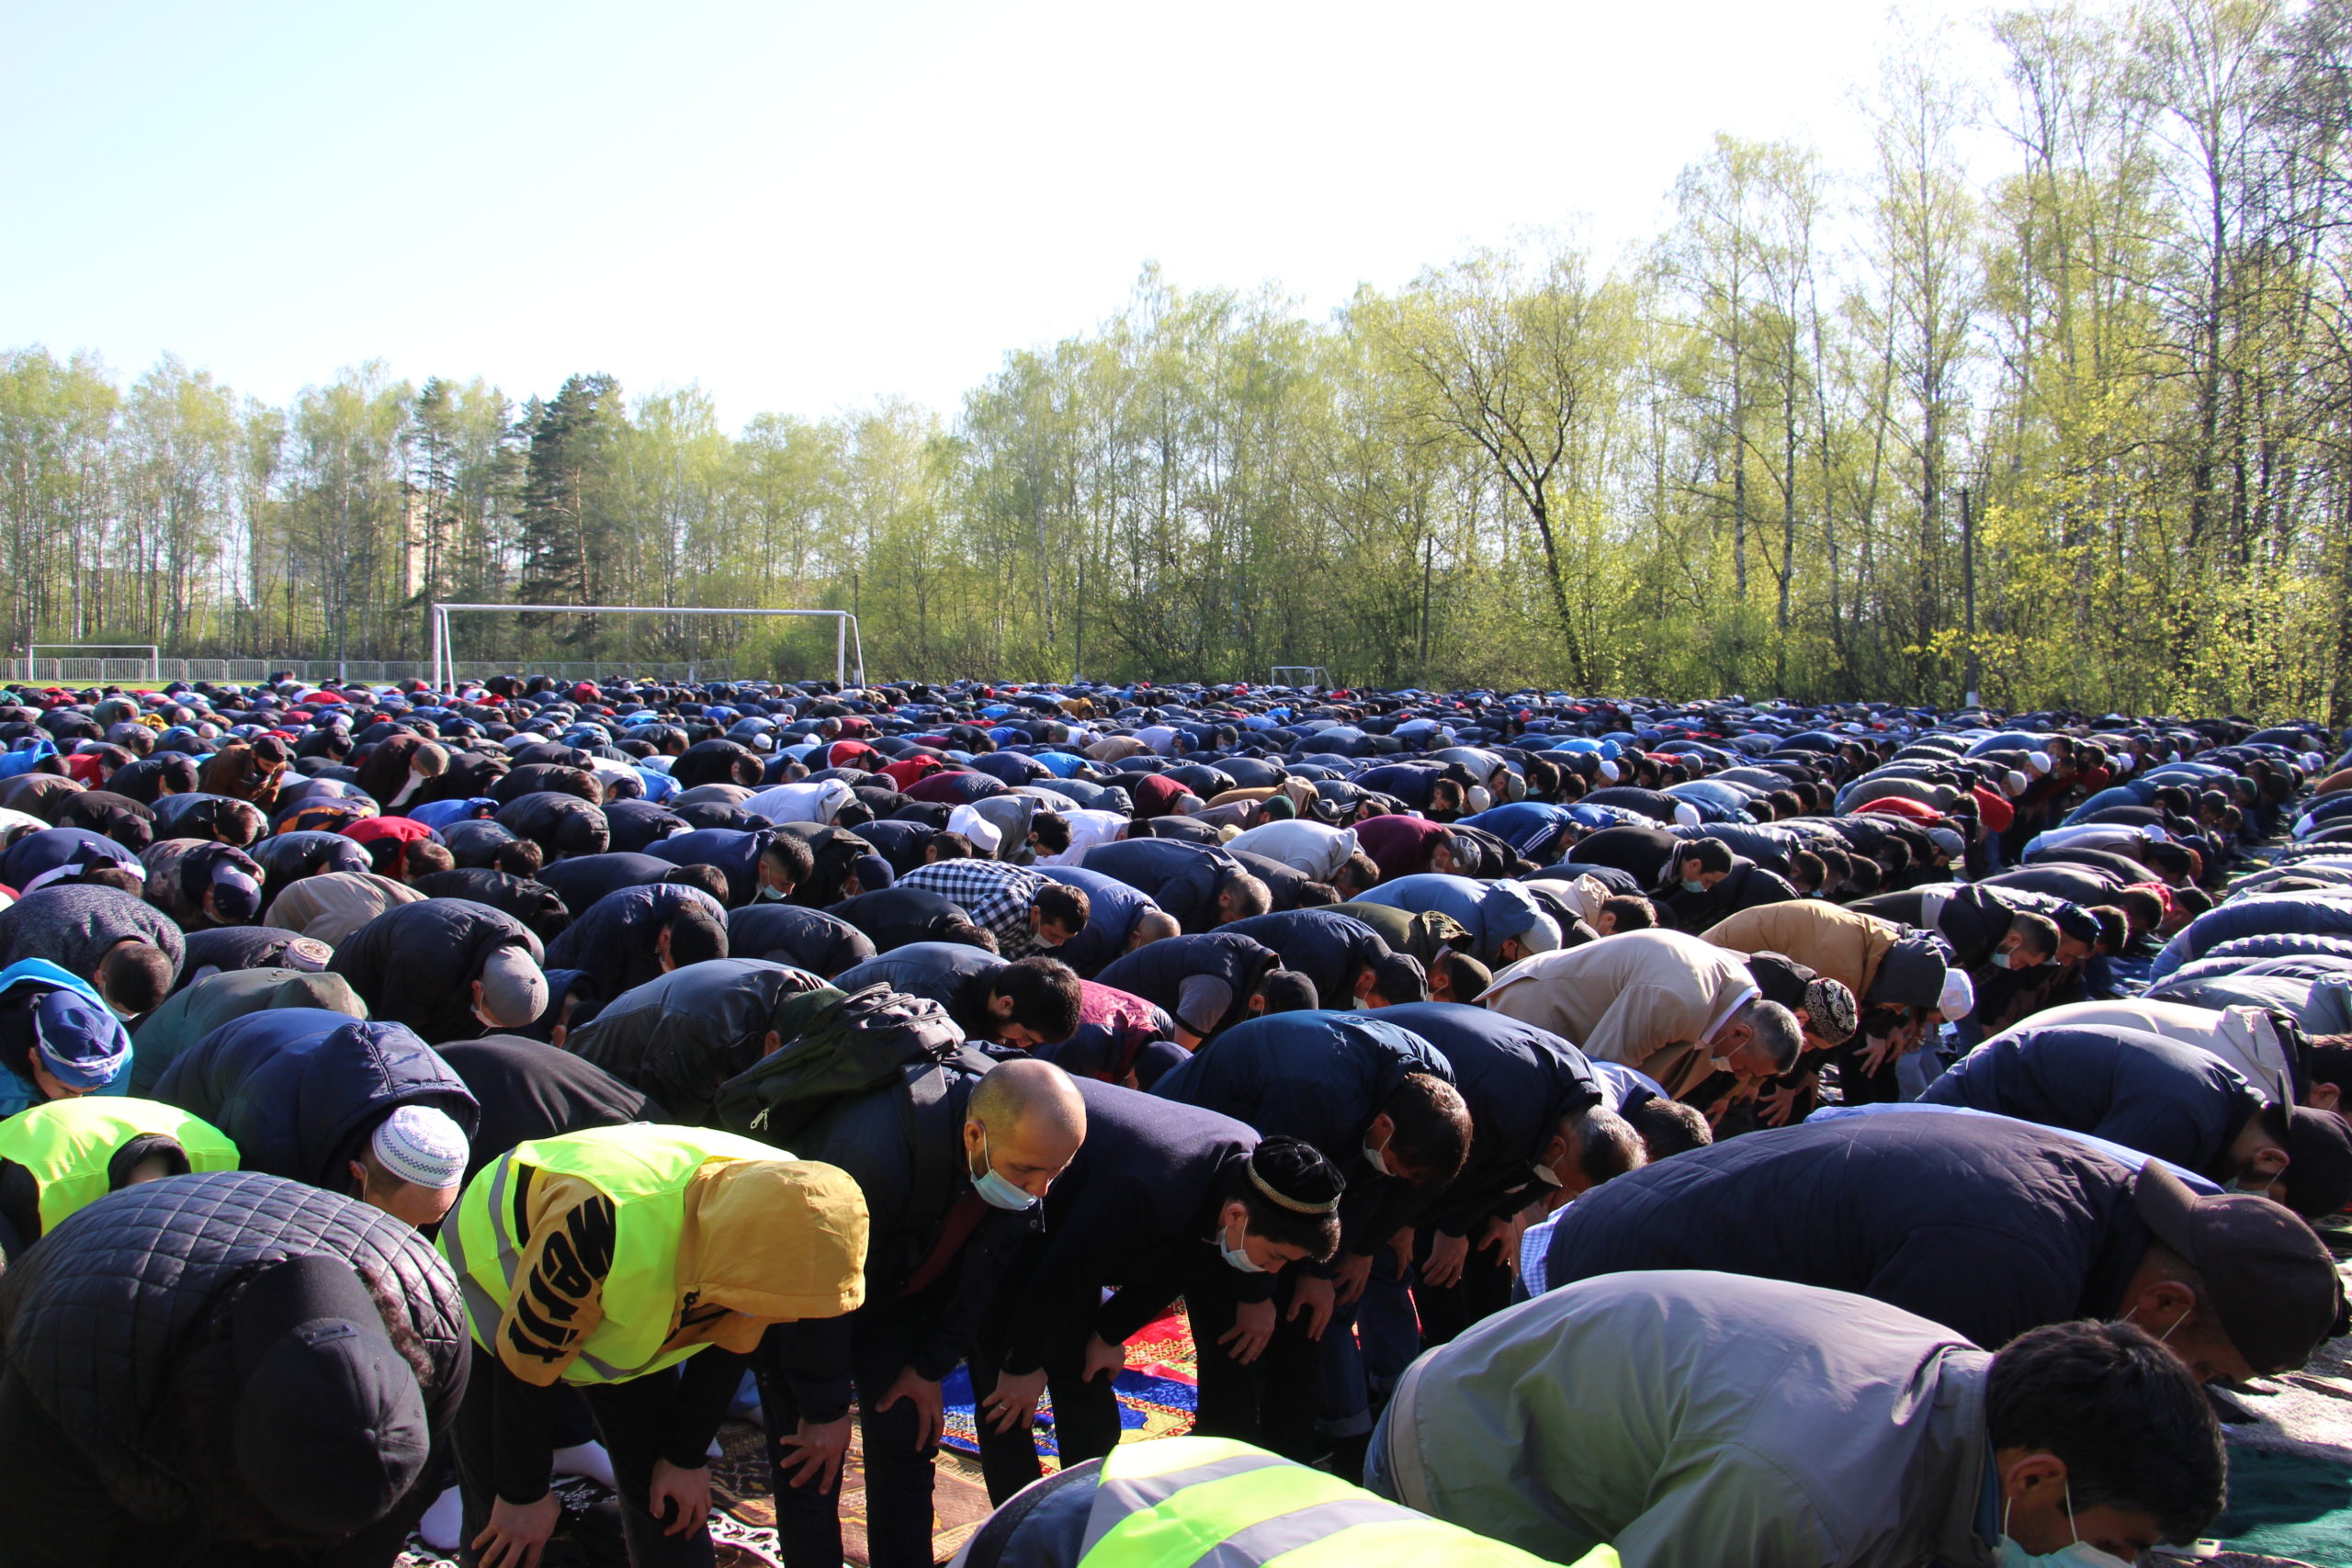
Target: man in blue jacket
pixel 368 1110
pixel 1989 1224
pixel 2162 1097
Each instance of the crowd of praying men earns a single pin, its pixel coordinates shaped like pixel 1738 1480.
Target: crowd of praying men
pixel 1575 1130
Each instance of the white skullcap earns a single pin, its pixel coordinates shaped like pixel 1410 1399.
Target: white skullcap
pixel 421 1145
pixel 2039 761
pixel 2014 782
pixel 1479 798
pixel 1686 814
pixel 1959 998
pixel 1608 771
pixel 984 834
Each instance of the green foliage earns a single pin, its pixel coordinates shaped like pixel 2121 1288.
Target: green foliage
pixel 1735 462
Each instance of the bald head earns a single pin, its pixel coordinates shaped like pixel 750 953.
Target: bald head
pixel 1153 925
pixel 1025 1121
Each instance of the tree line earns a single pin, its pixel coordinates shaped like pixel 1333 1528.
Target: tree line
pixel 2078 435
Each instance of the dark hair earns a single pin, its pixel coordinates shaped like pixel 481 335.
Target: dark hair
pixel 1053 832
pixel 709 878
pixel 1864 877
pixel 110 874
pixel 2114 931
pixel 1059 904
pixel 695 936
pixel 518 857
pixel 969 935
pixel 2170 860
pixel 1044 993
pixel 1712 855
pixel 1632 913
pixel 1606 1144
pixel 1297 1171
pixel 1314 896
pixel 424 857
pixel 792 856
pixel 1668 1127
pixel 2331 1060
pixel 1807 867
pixel 2136 905
pixel 135 974
pixel 1464 975
pixel 1784 803
pixel 1432 1128
pixel 1446 795
pixel 2037 931
pixel 1400 977
pixel 944 845
pixel 2191 901
pixel 2124 1414
pixel 1360 869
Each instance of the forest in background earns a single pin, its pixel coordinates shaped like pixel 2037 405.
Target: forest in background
pixel 1770 453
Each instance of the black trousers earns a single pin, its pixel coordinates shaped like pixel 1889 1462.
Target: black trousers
pixel 1482 1291
pixel 631 1419
pixel 1086 1422
pixel 1273 1401
pixel 897 1472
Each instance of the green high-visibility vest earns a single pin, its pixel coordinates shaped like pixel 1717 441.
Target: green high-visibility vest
pixel 69 1145
pixel 644 1171
pixel 1182 1501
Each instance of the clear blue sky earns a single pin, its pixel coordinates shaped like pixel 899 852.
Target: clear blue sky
pixel 805 207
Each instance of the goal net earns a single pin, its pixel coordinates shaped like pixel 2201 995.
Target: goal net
pixel 1300 675
pixel 849 651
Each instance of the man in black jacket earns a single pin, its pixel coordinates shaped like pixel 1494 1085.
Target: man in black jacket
pixel 1988 1224
pixel 447 968
pixel 950 1192
pixel 2164 1099
pixel 791 934
pixel 678 1038
pixel 1162 1201
pixel 636 934
pixel 895 917
pixel 201 1369
pixel 528 1090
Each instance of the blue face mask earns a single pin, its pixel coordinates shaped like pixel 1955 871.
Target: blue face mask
pixel 1693 885
pixel 772 895
pixel 995 1189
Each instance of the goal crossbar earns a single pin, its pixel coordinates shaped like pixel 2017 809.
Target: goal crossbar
pixel 849 650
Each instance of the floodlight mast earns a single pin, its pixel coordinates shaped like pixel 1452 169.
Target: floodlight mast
pixel 846 639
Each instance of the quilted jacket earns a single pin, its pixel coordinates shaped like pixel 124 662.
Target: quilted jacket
pixel 98 1317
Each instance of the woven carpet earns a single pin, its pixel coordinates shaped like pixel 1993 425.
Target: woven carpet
pixel 1156 1393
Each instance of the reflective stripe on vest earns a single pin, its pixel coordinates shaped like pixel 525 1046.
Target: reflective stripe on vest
pixel 1213 1503
pixel 644 1171
pixel 67 1144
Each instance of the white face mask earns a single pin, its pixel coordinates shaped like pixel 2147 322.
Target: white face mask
pixel 1546 1175
pixel 1378 1159
pixel 2079 1553
pixel 2003 959
pixel 1238 1255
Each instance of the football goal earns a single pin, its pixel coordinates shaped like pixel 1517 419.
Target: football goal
pixel 849 652
pixel 1300 675
pixel 99 656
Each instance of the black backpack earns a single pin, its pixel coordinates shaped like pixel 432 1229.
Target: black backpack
pixel 866 1040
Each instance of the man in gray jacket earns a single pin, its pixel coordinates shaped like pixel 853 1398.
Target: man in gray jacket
pixel 1692 1418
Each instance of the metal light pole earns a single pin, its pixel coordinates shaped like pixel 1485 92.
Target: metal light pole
pixel 1967 586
